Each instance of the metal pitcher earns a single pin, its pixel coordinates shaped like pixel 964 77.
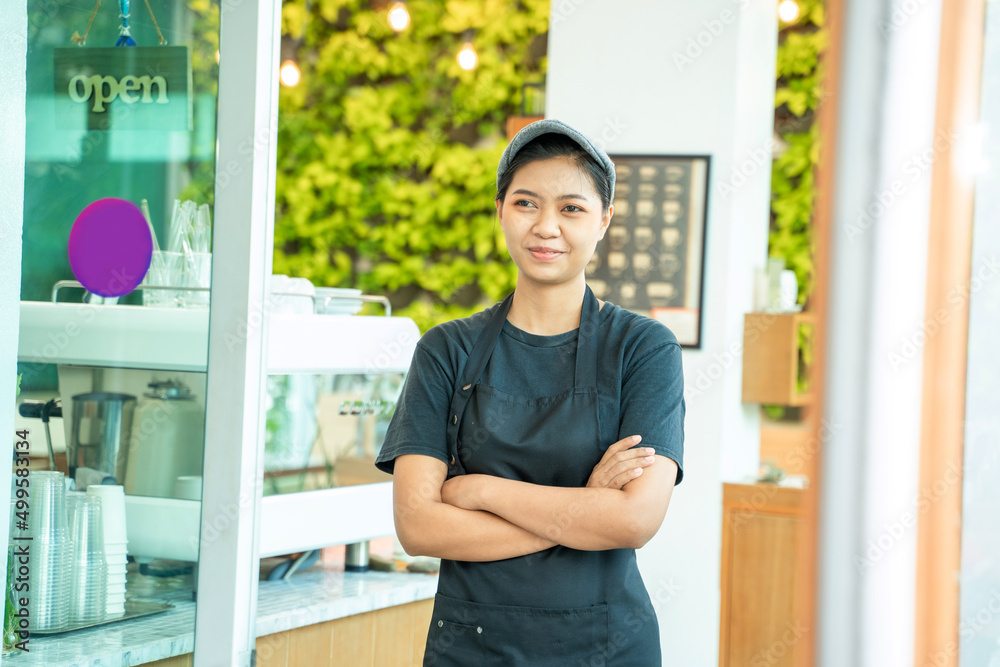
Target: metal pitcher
pixel 100 431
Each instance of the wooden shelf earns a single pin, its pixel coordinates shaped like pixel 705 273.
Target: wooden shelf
pixel 771 358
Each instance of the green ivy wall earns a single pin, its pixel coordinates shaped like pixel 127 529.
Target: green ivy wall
pixel 387 149
pixel 797 97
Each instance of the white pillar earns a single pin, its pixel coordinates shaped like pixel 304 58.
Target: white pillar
pixel 878 275
pixel 242 253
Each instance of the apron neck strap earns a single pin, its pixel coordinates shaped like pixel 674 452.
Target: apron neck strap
pixel 586 343
pixel 483 349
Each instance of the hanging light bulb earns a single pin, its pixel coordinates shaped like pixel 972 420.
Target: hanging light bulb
pixel 467 56
pixel 788 10
pixel 399 16
pixel 289 73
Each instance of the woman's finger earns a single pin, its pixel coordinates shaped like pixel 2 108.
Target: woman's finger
pixel 618 448
pixel 624 478
pixel 616 474
pixel 640 456
pixel 622 445
pixel 618 458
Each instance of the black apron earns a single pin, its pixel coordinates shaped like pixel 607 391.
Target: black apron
pixel 560 606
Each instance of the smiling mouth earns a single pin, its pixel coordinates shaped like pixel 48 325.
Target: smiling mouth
pixel 544 253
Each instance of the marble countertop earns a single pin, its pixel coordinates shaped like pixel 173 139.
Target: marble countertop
pixel 319 594
pixel 325 593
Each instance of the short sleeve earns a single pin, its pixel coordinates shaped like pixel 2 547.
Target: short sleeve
pixel 652 400
pixel 419 423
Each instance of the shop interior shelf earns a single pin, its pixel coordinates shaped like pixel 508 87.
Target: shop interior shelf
pixel 177 339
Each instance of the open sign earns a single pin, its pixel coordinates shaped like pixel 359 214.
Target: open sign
pixel 105 89
pixel 133 88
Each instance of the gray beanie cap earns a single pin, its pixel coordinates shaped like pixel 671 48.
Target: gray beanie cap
pixel 552 126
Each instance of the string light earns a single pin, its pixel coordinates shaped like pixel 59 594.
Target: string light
pixel 289 73
pixel 788 10
pixel 399 16
pixel 467 56
pixel 217 56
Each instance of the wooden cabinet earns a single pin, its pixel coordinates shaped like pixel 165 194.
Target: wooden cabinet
pixel 762 624
pixel 390 637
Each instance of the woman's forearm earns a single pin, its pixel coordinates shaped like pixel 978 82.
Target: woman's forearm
pixel 426 526
pixel 590 519
pixel 580 518
pixel 441 530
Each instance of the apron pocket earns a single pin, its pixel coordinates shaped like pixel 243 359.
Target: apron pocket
pixel 511 635
pixel 453 639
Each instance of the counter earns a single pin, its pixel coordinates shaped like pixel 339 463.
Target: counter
pixel 322 593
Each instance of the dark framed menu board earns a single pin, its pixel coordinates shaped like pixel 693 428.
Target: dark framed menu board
pixel 653 255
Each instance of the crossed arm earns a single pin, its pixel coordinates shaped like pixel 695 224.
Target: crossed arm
pixel 485 518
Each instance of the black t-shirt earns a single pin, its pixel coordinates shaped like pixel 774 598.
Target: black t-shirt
pixel 639 381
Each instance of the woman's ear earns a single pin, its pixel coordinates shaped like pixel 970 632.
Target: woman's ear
pixel 498 205
pixel 606 221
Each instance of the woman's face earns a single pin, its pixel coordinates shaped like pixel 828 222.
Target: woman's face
pixel 552 218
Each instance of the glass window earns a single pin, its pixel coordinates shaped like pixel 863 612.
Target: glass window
pixel 115 295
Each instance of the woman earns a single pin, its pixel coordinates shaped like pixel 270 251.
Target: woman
pixel 515 443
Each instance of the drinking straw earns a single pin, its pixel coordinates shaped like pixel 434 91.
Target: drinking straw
pixel 144 205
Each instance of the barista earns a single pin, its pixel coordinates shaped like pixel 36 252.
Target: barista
pixel 536 444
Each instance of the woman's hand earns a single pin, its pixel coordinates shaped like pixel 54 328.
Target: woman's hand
pixel 620 464
pixel 463 491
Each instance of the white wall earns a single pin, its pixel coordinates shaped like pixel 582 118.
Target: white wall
pixel 672 77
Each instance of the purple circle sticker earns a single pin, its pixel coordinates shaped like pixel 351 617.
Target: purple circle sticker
pixel 110 247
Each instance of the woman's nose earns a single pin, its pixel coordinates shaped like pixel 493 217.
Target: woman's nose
pixel 547 224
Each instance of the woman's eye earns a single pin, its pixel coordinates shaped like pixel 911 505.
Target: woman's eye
pixel 572 208
pixel 523 202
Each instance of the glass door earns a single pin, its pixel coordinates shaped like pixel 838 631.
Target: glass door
pixel 115 295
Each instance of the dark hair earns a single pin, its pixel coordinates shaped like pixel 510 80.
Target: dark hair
pixel 553 145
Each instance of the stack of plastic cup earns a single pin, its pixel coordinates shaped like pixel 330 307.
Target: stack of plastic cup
pixel 88 575
pixel 115 544
pixel 50 551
